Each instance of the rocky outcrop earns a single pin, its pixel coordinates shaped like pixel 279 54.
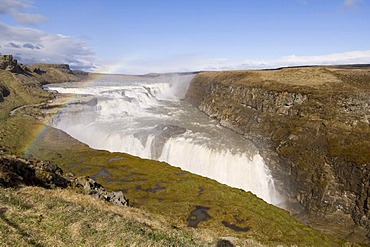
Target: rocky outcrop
pixel 41 73
pixel 55 73
pixel 8 63
pixel 91 187
pixel 16 172
pixel 4 92
pixel 42 67
pixel 311 125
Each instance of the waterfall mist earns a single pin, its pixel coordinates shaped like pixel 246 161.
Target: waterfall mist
pixel 146 116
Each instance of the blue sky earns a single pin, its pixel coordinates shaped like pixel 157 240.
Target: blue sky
pixel 143 36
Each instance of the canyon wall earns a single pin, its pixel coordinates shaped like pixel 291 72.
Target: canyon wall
pixel 7 62
pixel 40 73
pixel 311 125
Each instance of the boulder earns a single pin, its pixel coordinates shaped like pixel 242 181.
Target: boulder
pixel 4 92
pixel 117 197
pixel 91 187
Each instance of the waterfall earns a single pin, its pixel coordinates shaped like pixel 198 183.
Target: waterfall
pixel 146 117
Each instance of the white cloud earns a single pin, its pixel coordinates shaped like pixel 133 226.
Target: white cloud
pixel 187 63
pixel 352 57
pixel 26 18
pixel 30 45
pixel 20 11
pixel 179 63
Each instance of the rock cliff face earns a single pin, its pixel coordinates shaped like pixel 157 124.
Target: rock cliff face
pixel 8 63
pixel 311 125
pixel 4 92
pixel 40 73
pixel 55 73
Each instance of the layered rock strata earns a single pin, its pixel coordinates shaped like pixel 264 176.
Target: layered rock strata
pixel 311 125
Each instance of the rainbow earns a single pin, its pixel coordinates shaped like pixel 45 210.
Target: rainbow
pixel 38 130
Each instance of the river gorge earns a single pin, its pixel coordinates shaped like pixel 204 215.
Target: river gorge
pixel 296 137
pixel 148 117
pixel 289 135
pixel 311 124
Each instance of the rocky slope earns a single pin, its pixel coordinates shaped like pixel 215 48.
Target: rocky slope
pixel 56 73
pixel 7 62
pixel 41 73
pixel 311 125
pixel 17 172
pixel 21 85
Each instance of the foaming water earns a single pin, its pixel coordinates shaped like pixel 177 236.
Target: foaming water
pixel 147 117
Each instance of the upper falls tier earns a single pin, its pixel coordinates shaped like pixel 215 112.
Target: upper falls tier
pixel 146 116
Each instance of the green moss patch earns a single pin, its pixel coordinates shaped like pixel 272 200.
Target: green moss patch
pixel 158 188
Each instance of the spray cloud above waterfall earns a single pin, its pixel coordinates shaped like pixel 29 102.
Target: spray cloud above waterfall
pixel 146 116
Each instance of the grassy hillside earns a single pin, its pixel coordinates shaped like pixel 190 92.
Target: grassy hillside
pixel 181 198
pixel 34 216
pixel 19 93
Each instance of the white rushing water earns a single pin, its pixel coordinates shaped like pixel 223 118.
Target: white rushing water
pixel 146 117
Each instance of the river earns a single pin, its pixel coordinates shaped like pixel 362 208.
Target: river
pixel 148 116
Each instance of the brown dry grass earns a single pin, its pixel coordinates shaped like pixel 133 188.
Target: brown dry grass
pixel 306 76
pixel 70 219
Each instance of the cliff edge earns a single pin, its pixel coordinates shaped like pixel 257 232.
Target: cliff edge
pixel 311 125
pixel 41 73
